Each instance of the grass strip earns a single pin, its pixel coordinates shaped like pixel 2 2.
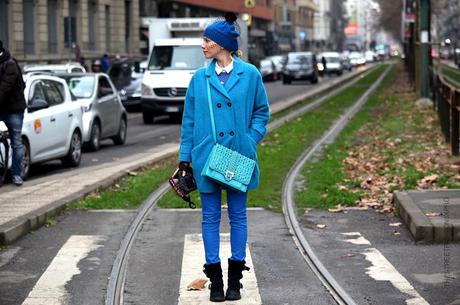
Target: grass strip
pixel 277 153
pixel 321 178
pixel 453 75
pixel 130 191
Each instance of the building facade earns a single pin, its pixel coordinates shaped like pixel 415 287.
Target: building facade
pixel 50 31
pixel 305 24
pixel 257 14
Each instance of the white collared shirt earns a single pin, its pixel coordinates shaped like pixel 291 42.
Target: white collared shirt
pixel 228 68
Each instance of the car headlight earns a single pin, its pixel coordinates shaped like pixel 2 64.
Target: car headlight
pixel 146 90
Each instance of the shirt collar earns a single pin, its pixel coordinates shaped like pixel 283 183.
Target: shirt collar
pixel 228 68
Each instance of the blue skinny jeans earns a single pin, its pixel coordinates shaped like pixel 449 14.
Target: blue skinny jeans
pixel 13 122
pixel 211 215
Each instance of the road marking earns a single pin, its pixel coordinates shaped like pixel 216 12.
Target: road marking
pixel 192 268
pixel 382 270
pixel 50 288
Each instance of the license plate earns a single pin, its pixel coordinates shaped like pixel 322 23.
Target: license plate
pixel 172 109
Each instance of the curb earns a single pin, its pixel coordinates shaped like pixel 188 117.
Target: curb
pixel 423 228
pixel 418 224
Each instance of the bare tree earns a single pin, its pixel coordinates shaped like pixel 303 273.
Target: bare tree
pixel 390 16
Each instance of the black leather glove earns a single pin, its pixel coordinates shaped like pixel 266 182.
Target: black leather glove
pixel 185 167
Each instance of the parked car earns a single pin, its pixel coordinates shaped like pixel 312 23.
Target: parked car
pixel 300 66
pixel 278 61
pixel 53 125
pixel 3 150
pixel 268 70
pixel 333 63
pixel 457 57
pixel 69 67
pixel 127 77
pixel 104 115
pixel 345 60
pixel 357 59
pixel 370 56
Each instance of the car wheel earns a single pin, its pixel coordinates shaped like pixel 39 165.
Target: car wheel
pixel 147 117
pixel 73 157
pixel 25 164
pixel 95 139
pixel 120 138
pixel 286 80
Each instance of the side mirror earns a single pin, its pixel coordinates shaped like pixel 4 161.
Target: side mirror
pixel 37 104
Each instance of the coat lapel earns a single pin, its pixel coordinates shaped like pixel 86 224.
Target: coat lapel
pixel 214 80
pixel 235 75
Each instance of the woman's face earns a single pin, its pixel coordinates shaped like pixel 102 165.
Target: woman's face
pixel 210 48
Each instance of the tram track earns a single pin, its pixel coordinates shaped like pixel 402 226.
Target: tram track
pixel 117 278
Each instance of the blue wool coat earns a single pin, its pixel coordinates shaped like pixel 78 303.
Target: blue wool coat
pixel 241 112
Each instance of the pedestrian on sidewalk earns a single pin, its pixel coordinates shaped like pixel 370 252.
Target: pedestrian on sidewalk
pixel 241 112
pixel 12 106
pixel 105 63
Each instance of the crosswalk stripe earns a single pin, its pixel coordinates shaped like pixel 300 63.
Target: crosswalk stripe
pixel 382 270
pixel 192 268
pixel 50 288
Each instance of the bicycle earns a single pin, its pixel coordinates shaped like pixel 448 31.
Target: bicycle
pixel 4 155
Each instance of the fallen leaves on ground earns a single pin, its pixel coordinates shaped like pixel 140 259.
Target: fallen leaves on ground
pixel 382 160
pixel 197 284
pixel 433 214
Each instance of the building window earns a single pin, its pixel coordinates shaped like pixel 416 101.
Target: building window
pixel 70 25
pixel 107 27
pixel 4 22
pixel 127 24
pixel 29 26
pixel 52 26
pixel 92 12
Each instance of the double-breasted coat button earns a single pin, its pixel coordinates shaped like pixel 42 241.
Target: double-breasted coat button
pixel 229 104
pixel 232 133
pixel 219 105
pixel 221 134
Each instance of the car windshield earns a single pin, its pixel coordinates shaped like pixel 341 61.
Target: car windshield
pixel 332 59
pixel 176 58
pixel 265 64
pixel 81 86
pixel 299 59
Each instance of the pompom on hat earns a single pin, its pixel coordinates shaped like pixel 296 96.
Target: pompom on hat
pixel 224 32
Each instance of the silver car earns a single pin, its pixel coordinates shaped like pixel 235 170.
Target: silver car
pixel 104 116
pixel 70 67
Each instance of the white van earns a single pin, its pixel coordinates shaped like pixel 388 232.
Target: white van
pixel 171 66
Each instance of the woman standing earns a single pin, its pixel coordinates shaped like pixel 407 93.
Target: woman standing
pixel 241 111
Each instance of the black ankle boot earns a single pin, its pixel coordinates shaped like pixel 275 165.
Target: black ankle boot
pixel 235 274
pixel 214 273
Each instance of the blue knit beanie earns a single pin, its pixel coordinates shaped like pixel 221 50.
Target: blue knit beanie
pixel 223 32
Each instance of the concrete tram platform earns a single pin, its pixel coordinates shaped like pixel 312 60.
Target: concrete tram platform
pixel 432 215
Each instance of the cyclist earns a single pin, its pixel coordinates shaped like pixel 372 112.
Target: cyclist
pixel 12 106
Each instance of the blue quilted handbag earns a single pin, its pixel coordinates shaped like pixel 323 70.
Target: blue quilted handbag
pixel 226 166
